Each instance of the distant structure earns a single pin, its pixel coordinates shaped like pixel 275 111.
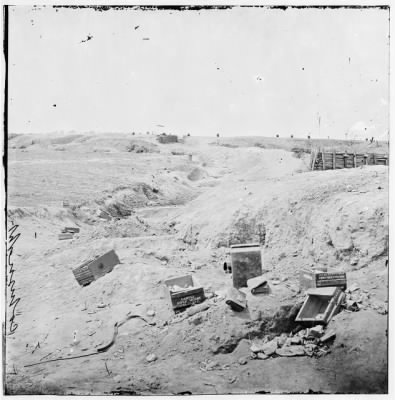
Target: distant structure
pixel 217 134
pixel 308 137
pixel 188 134
pixel 277 135
pixel 292 136
pixel 163 138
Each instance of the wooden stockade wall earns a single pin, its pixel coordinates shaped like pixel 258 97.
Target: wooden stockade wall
pixel 334 160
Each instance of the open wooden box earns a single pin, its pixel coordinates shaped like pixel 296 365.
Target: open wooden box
pixel 320 305
pixel 184 292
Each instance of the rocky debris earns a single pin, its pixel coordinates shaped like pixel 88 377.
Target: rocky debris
pixel 243 360
pixel 151 313
pixel 262 356
pixel 267 348
pixel 310 342
pixel 316 331
pixel 359 299
pixel 209 365
pixel 291 351
pixel 196 321
pixel 151 358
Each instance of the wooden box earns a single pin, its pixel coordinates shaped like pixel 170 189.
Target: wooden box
pixel 320 305
pixel 69 229
pixel 65 236
pixel 184 292
pixel 96 268
pixel 324 278
pixel 246 263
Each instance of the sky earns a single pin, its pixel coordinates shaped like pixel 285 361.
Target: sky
pixel 240 71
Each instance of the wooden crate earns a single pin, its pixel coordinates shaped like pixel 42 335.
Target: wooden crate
pixel 315 279
pixel 96 268
pixel 320 305
pixel 246 263
pixel 70 229
pixel 65 236
pixel 189 292
pixel 83 274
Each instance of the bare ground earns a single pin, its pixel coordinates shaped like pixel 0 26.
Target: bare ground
pixel 170 216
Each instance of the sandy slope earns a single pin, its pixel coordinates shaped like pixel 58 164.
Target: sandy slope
pixel 333 218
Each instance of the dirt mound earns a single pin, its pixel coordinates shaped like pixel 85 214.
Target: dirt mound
pixel 340 220
pixel 121 201
pixel 66 139
pixel 197 174
pixel 142 147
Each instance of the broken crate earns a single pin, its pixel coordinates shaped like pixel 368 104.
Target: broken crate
pixel 184 292
pixel 320 305
pixel 93 269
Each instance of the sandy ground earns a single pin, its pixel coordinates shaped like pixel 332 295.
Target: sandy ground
pixel 170 215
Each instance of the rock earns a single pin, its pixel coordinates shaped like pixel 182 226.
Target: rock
pixel 302 333
pixel 352 305
pixel 354 261
pixel 262 356
pixel 309 349
pixel 281 340
pixel 287 342
pixel 197 320
pixel 242 349
pixel 270 347
pixel 256 348
pixel 316 331
pixel 243 360
pixel 291 351
pixel 275 282
pixel 212 365
pixel 151 357
pixel 151 313
pixel 209 295
pixel 352 288
pixel 101 305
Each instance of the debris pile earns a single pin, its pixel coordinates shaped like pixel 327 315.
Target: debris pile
pixel 357 299
pixel 312 342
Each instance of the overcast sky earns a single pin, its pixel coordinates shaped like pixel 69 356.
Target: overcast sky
pixel 242 71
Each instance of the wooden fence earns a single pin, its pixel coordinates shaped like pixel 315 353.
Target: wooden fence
pixel 333 160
